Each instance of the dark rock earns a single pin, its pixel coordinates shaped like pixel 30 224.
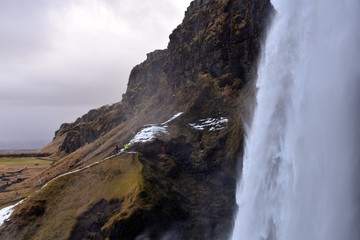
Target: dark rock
pixel 90 223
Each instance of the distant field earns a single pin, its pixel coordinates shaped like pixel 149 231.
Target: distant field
pixel 22 162
pixel 17 151
pixel 13 169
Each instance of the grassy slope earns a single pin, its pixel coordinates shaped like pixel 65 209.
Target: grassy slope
pixel 61 202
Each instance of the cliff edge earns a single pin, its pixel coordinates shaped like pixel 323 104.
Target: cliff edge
pixel 179 129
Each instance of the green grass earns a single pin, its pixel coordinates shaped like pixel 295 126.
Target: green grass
pixel 70 196
pixel 16 162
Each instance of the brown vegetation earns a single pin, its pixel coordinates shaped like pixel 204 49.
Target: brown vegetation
pixel 17 176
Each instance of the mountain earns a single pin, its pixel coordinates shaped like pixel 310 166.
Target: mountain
pixel 182 116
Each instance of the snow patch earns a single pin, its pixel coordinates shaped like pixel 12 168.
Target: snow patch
pixel 6 212
pixel 148 134
pixel 151 131
pixel 213 124
pixel 173 118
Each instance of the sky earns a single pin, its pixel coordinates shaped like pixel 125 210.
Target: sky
pixel 61 58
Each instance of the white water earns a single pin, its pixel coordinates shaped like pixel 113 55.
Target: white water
pixel 299 178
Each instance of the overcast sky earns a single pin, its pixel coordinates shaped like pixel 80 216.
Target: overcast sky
pixel 61 58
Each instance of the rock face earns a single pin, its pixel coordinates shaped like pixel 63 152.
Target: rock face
pixel 218 41
pixel 89 127
pixel 187 163
pixel 217 38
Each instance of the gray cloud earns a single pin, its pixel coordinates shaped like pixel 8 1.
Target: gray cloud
pixel 23 28
pixel 72 55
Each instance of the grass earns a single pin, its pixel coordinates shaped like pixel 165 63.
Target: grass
pixel 70 196
pixel 56 210
pixel 18 162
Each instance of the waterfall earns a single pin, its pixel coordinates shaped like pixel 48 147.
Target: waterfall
pixel 300 177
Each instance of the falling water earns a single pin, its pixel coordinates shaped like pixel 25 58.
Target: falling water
pixel 300 171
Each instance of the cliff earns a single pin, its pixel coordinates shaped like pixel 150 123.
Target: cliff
pixel 178 178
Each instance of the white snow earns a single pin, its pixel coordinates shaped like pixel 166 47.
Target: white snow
pixel 148 134
pixel 151 131
pixel 213 124
pixel 171 119
pixel 6 212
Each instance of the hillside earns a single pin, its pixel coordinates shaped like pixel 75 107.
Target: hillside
pixel 183 115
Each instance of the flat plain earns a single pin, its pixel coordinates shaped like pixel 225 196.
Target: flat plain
pixel 16 174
